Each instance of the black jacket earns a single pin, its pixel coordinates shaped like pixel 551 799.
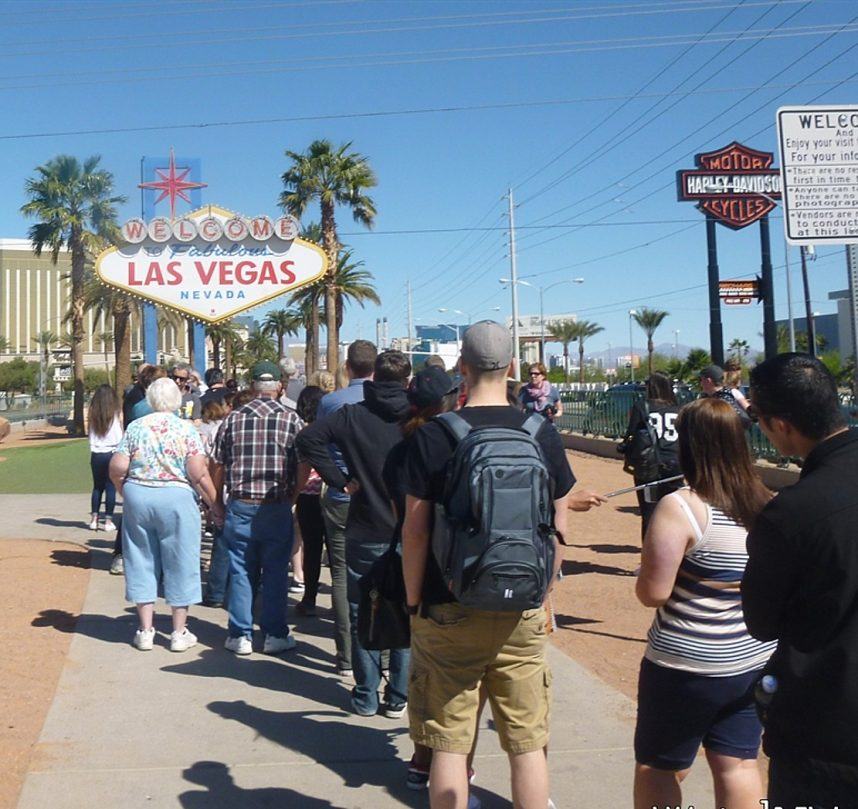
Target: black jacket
pixel 801 588
pixel 365 433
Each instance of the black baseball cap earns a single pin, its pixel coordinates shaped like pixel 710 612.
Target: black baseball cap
pixel 430 386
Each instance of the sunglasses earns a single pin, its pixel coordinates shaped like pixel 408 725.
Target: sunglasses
pixel 535 373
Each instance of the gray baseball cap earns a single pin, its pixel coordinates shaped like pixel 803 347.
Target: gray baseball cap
pixel 487 346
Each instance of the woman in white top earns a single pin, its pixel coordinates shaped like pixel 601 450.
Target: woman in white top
pixel 700 666
pixel 105 433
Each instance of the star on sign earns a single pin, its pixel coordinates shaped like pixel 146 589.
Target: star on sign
pixel 172 185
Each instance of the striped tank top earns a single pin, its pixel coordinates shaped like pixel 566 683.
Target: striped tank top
pixel 701 628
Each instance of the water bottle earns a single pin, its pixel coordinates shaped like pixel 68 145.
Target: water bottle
pixel 764 693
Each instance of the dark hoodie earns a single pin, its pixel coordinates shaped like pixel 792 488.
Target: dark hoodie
pixel 365 433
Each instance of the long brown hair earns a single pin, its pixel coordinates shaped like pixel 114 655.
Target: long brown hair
pixel 103 408
pixel 716 461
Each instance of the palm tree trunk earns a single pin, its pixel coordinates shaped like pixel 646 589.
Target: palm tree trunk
pixel 329 241
pixel 315 327
pixel 279 346
pixel 566 361
pixel 216 351
pixel 121 347
pixel 649 349
pixel 227 354
pixel 580 361
pixel 77 307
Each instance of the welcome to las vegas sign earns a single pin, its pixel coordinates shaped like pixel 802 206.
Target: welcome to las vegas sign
pixel 212 263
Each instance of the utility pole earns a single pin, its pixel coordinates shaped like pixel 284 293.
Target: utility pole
pixel 808 306
pixel 514 278
pixel 409 315
pixel 789 298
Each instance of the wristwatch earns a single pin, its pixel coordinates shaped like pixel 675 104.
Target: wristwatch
pixel 413 609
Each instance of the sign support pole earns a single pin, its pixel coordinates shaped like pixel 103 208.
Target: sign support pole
pixel 808 306
pixel 770 335
pixel 852 264
pixel 716 332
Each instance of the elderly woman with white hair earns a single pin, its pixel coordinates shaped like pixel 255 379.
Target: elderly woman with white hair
pixel 157 467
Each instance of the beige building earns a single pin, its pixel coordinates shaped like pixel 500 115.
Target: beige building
pixel 34 297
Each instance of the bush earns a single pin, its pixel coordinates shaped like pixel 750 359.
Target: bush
pixel 92 378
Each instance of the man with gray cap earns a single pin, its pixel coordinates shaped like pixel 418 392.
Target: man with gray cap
pixel 456 649
pixel 254 456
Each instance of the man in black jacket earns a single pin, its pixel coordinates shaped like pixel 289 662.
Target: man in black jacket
pixel 365 433
pixel 801 588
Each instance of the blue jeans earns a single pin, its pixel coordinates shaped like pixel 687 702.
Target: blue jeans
pixel 99 463
pixel 218 568
pixel 259 539
pixel 366 663
pixel 161 541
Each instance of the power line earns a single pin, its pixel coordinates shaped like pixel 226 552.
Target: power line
pixel 399 113
pixel 461 55
pixel 616 140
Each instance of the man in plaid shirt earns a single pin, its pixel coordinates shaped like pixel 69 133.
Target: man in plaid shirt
pixel 254 455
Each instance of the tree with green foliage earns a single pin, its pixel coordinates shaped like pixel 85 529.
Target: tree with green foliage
pixel 223 334
pixel 260 347
pixel 332 176
pixel 18 376
pixel 584 330
pixel 280 322
pixel 649 320
pixel 75 208
pixel 740 350
pixel 351 283
pixel 695 362
pixel 564 332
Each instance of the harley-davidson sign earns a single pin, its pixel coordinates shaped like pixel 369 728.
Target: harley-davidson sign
pixel 736 185
pixel 212 263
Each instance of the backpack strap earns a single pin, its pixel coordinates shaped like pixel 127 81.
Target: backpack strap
pixel 533 424
pixel 455 425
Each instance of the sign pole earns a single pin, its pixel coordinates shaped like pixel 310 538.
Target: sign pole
pixel 716 332
pixel 770 334
pixel 852 264
pixel 808 306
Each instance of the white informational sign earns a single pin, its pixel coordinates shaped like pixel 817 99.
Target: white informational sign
pixel 62 373
pixel 212 263
pixel 819 169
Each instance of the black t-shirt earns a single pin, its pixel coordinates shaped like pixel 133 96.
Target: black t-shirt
pixel 430 449
pixel 213 395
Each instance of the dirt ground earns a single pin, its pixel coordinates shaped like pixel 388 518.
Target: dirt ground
pixel 600 623
pixel 33 436
pixel 42 587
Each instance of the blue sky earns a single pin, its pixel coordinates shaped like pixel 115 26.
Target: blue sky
pixel 71 66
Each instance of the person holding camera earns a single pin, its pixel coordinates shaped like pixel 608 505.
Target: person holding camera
pixel 539 395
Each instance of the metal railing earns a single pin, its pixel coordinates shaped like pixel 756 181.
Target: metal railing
pixel 29 408
pixel 606 414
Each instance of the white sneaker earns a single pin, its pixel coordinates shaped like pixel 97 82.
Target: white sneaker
pixel 93 525
pixel 182 641
pixel 109 525
pixel 240 645
pixel 274 645
pixel 117 566
pixel 143 639
pixel 297 587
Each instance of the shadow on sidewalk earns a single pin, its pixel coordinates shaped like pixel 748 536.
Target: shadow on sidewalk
pixel 221 791
pixel 55 523
pixel 572 567
pixel 71 558
pixel 571 622
pixel 613 548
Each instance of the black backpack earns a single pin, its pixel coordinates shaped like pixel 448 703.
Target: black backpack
pixel 493 537
pixel 649 457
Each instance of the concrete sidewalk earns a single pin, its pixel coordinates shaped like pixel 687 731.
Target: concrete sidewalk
pixel 207 729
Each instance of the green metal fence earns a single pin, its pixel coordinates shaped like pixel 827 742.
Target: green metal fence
pixel 606 413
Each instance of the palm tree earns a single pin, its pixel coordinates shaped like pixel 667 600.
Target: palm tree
pixel 583 330
pixel 74 206
pixel 44 339
pixel 308 302
pixel 332 175
pixel 105 338
pixel 695 362
pixel 740 349
pixel 564 331
pixel 260 347
pixel 281 322
pixel 352 283
pixel 649 320
pixel 4 344
pixel 106 302
pixel 222 334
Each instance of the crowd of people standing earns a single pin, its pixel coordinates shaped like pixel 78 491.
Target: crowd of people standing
pixel 755 593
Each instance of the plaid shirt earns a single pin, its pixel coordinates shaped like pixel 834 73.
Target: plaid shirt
pixel 256 445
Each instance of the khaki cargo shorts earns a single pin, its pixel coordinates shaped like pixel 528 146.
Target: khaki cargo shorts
pixel 454 650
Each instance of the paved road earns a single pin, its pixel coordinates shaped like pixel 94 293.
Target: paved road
pixel 207 729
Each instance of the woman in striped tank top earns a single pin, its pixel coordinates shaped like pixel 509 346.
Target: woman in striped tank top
pixel 701 665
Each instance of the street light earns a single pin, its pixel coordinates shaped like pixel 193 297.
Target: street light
pixel 542 291
pixel 632 313
pixel 455 311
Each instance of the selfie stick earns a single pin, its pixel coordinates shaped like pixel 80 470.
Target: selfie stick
pixel 643 486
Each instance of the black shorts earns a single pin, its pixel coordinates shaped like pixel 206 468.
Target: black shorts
pixel 678 711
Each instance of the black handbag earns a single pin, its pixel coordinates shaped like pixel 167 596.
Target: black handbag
pixel 383 619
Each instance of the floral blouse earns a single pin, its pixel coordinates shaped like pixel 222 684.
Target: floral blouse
pixel 158 446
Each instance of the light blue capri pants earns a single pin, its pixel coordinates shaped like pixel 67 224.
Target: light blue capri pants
pixel 161 536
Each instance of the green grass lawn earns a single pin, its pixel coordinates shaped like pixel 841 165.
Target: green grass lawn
pixel 55 468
